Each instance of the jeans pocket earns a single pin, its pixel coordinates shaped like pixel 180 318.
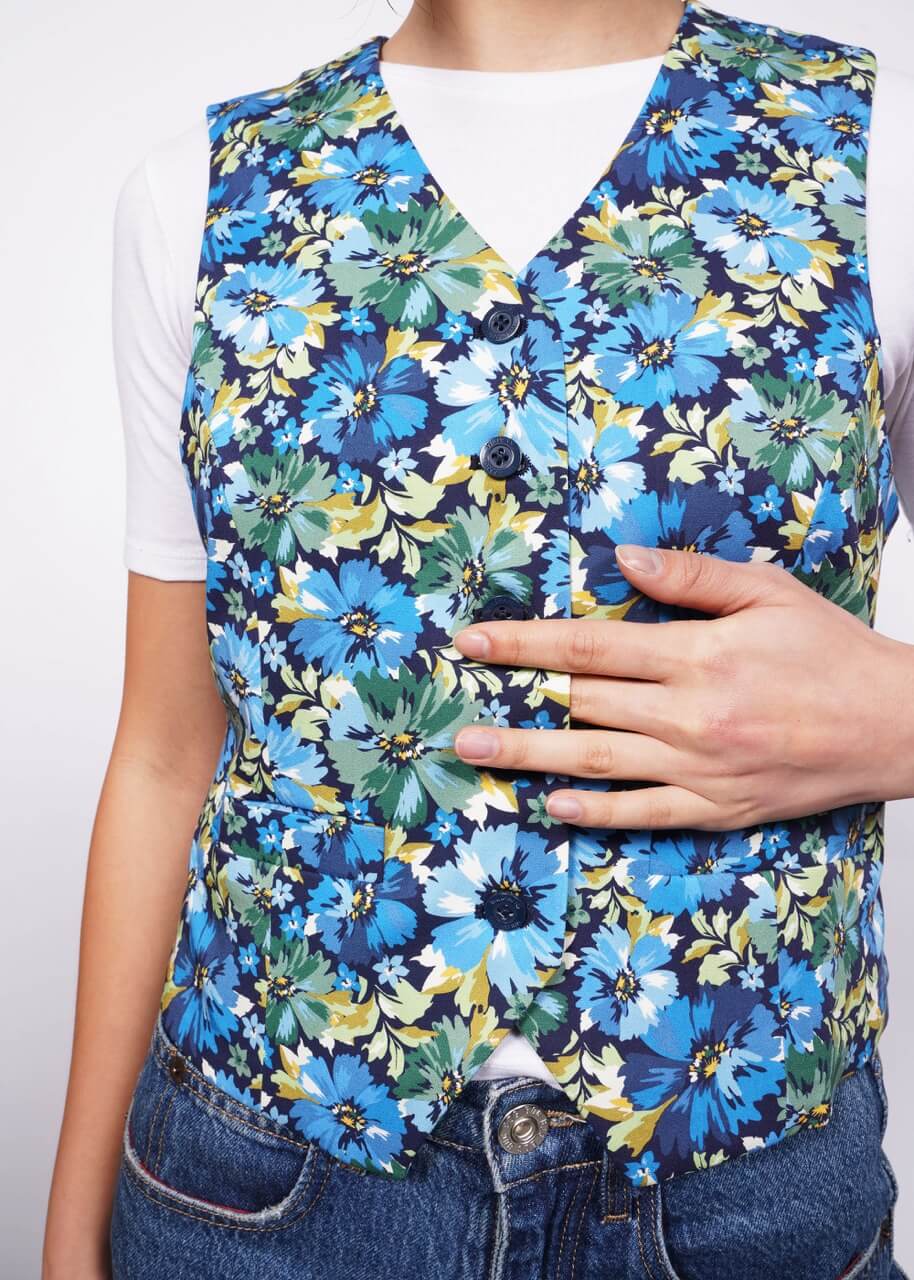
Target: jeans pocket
pixel 192 1147
pixel 814 1206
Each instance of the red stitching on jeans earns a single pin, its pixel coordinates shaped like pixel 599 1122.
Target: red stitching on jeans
pixel 229 1208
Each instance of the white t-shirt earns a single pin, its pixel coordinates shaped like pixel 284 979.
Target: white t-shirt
pixel 484 136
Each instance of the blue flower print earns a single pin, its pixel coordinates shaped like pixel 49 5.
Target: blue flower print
pixel 263 579
pixel 824 534
pixel 623 984
pixel 743 90
pixel 348 480
pixel 850 342
pixel 677 874
pixel 292 924
pixel 206 978
pixel 872 912
pixel 347 1112
pixel 285 437
pixel 697 367
pixel 455 327
pixel 801 365
pixel 564 298
pixel 390 970
pixel 516 389
pixel 235 216
pixel 677 133
pixel 294 765
pixel 605 477
pixel 357 620
pixel 831 121
pixel 698 516
pixel 337 843
pixel 709 1065
pixel 347 979
pixel 557 578
pixel 396 465
pixel 846 840
pixel 643 1171
pixel 378 172
pixel 269 838
pixel 363 403
pixel 783 338
pixel 262 305
pixel 530 937
pixel 236 660
pixel 445 828
pixel 226 113
pixel 799 999
pixel 767 505
pixel 730 479
pixel 757 228
pixel 356 321
pixel 222 1080
pixel 660 350
pixel 364 915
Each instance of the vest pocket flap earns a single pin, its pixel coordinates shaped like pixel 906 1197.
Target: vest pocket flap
pixel 293 837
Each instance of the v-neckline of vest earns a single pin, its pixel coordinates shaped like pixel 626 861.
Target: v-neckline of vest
pixel 394 123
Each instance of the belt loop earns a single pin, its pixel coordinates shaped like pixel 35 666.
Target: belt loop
pixel 615 1192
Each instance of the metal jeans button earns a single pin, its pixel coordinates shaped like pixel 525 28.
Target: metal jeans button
pixel 523 1129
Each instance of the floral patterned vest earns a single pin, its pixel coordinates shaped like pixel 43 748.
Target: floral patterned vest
pixel 389 433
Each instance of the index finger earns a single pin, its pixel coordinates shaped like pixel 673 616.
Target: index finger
pixel 599 646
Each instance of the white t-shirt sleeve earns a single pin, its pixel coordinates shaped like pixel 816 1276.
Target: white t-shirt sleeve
pixel 152 313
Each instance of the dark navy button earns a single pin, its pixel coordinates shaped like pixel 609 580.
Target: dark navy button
pixel 501 324
pixel 503 609
pixel 501 458
pixel 505 910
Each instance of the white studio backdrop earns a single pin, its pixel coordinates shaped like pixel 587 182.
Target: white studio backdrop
pixel 86 90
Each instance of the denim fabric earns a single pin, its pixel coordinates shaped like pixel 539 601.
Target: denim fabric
pixel 210 1189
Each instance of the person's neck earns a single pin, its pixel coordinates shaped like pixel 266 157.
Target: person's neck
pixel 531 35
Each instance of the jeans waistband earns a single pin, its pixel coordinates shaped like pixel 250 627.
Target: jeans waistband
pixel 560 1140
pixel 563 1142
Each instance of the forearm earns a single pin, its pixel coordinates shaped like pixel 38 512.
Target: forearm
pixel 894 687
pixel 134 884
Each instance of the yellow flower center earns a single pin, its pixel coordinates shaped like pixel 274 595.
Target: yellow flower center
pixel 257 302
pixel 656 353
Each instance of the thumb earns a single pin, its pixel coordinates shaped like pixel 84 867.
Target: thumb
pixel 702 581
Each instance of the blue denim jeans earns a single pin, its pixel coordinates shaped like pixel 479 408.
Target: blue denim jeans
pixel 210 1190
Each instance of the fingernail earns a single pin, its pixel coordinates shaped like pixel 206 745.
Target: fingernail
pixel 474 644
pixel 641 559
pixel 563 807
pixel 474 744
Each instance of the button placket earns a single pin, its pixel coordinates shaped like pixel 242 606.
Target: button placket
pixel 502 323
pixel 501 457
pixel 503 609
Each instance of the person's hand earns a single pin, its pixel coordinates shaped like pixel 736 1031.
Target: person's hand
pixel 781 705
